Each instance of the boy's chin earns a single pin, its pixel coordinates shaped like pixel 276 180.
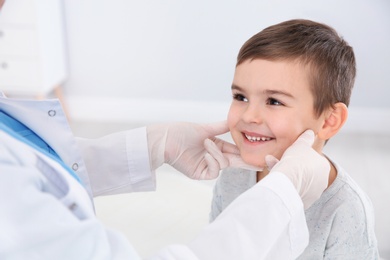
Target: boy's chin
pixel 255 161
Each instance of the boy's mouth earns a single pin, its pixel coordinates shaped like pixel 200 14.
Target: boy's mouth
pixel 252 138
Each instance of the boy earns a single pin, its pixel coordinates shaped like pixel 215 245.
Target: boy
pixel 290 77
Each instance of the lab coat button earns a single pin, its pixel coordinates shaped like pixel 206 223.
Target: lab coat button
pixel 75 166
pixel 52 113
pixel 72 206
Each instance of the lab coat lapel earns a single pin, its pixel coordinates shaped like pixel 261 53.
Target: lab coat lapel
pixel 59 182
pixel 38 115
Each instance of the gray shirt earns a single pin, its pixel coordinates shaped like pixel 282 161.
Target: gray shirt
pixel 340 222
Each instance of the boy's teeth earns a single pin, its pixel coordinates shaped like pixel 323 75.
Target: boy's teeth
pixel 257 139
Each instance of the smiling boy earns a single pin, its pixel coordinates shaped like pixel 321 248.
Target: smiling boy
pixel 272 105
pixel 290 77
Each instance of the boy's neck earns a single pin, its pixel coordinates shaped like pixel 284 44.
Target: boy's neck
pixel 332 173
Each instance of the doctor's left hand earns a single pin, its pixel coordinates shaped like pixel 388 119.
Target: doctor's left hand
pixel 193 149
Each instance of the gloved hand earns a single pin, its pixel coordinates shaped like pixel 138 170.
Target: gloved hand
pixel 182 146
pixel 307 169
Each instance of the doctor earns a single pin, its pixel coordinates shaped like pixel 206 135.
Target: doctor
pixel 48 179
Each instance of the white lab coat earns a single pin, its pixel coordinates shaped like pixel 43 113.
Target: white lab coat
pixel 46 214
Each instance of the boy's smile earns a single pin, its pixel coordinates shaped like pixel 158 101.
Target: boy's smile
pixel 272 105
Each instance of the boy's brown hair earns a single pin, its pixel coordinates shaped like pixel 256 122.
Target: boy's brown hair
pixel 329 59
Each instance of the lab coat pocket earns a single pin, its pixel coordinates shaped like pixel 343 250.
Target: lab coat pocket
pixel 65 188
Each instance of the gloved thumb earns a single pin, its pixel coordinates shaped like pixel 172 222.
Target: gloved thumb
pixel 217 128
pixel 303 142
pixel 270 161
pixel 306 138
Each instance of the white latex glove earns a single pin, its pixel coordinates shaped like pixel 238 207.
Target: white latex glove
pixel 182 146
pixel 307 169
pixel 225 154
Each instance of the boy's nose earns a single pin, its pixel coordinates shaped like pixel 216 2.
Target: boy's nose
pixel 252 114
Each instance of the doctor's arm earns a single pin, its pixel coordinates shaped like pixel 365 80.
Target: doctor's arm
pixel 265 222
pixel 126 161
pixel 36 224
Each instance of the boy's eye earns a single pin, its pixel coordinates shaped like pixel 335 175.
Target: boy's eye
pixel 240 97
pixel 274 102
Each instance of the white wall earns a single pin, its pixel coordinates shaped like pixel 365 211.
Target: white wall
pixel 171 52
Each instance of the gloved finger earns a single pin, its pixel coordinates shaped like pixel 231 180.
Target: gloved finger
pixel 215 152
pixel 216 128
pixel 225 159
pixel 270 161
pixel 226 147
pixel 306 138
pixel 304 141
pixel 212 169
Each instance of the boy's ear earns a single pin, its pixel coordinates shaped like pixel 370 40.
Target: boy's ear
pixel 334 120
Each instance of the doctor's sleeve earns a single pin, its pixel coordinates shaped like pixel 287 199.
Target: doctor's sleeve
pixel 118 163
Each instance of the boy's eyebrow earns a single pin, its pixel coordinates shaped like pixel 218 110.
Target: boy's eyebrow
pixel 277 92
pixel 236 87
pixel 267 91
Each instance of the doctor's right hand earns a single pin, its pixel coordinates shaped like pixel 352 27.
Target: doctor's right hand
pixel 193 149
pixel 307 169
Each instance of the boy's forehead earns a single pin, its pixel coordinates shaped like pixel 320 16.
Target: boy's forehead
pixel 258 66
pixel 280 75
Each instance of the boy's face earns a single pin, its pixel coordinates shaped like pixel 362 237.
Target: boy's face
pixel 272 105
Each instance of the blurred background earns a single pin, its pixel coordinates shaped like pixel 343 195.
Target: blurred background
pixel 121 64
